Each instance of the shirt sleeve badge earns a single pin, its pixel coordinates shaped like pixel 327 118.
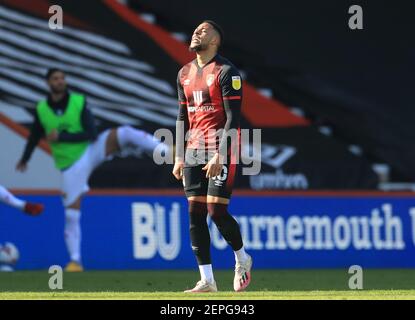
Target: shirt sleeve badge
pixel 236 82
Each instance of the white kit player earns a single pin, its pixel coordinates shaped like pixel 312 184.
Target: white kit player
pixel 66 122
pixel 32 209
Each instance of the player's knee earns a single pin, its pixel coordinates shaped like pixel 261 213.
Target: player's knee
pixel 76 205
pixel 124 134
pixel 196 207
pixel 221 217
pixel 72 216
pixel 197 215
pixel 217 211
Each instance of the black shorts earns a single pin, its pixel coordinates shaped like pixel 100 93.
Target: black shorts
pixel 195 182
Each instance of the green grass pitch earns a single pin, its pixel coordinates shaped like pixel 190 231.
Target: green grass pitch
pixel 266 284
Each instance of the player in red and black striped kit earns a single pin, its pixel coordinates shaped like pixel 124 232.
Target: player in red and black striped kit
pixel 210 100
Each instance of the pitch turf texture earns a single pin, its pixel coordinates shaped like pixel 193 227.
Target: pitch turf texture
pixel 168 285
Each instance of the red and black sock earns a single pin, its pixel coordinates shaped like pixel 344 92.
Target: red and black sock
pixel 227 225
pixel 199 232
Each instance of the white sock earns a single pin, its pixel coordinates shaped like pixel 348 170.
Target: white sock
pixel 240 255
pixel 206 272
pixel 73 233
pixel 129 137
pixel 11 200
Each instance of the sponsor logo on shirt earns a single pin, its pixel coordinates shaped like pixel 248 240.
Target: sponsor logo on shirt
pixel 198 97
pixel 186 82
pixel 201 108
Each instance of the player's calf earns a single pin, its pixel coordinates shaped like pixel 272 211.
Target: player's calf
pixel 130 138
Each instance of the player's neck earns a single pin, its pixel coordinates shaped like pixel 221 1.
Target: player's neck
pixel 204 57
pixel 57 96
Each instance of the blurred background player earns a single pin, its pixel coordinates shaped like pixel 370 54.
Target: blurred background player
pixel 68 125
pixel 30 208
pixel 210 97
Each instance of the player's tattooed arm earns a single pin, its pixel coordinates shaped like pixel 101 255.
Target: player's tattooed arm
pixel 231 85
pixel 182 126
pixel 233 111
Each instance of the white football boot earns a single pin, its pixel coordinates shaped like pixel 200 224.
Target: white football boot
pixel 242 274
pixel 203 286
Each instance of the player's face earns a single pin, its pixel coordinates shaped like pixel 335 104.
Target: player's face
pixel 202 37
pixel 57 82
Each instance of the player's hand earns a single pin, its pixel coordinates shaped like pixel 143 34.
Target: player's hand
pixel 214 167
pixel 52 136
pixel 178 169
pixel 21 166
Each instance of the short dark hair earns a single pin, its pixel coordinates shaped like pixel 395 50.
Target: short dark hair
pixel 51 71
pixel 218 29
